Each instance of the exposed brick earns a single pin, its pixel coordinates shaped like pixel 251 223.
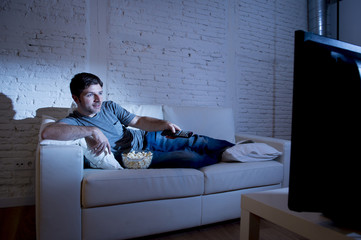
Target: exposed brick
pixel 148 52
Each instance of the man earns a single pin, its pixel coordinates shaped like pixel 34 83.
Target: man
pixel 104 126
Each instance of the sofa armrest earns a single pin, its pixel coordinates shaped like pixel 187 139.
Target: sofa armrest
pixel 59 172
pixel 281 145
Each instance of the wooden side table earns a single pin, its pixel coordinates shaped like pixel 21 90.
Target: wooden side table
pixel 272 206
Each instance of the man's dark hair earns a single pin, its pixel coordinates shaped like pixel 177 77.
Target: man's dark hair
pixel 82 81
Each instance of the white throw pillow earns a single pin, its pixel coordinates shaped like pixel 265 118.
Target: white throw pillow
pixel 248 151
pixel 103 161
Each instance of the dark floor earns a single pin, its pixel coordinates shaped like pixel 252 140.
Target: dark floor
pixel 18 223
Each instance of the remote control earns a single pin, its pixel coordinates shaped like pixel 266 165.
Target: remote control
pixel 182 134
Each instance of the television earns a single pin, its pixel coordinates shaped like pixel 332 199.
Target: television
pixel 325 172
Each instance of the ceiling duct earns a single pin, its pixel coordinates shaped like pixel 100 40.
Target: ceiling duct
pixel 317 16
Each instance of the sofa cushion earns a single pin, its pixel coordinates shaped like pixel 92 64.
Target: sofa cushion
pixel 209 121
pixel 222 177
pixel 109 187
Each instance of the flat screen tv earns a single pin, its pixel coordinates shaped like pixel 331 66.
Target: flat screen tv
pixel 325 168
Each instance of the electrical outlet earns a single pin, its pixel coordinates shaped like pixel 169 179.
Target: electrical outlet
pixel 24 164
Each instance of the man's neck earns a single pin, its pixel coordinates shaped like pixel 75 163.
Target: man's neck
pixel 85 114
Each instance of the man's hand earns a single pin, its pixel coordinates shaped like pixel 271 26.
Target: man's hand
pixel 98 142
pixel 172 127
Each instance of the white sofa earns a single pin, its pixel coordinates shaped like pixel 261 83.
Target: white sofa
pixel 77 203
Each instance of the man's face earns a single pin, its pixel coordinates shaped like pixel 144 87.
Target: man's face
pixel 90 100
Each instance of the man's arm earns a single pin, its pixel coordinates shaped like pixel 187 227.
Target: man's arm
pixel 153 124
pixel 62 131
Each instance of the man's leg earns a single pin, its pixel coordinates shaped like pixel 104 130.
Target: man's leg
pixel 201 144
pixel 180 159
pixel 195 152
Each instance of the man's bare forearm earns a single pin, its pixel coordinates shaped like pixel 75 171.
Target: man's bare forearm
pixel 59 131
pixel 152 124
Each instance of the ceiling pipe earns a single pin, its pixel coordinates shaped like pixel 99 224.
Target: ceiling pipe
pixel 317 16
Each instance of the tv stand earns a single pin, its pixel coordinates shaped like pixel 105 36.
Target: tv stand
pixel 272 206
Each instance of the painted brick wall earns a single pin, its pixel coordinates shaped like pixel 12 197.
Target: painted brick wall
pixel 236 53
pixel 214 53
pixel 264 56
pixel 167 52
pixel 43 43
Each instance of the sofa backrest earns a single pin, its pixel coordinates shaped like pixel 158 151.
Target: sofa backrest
pixel 145 110
pixel 210 121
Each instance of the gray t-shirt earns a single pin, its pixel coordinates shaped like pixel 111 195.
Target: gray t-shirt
pixel 112 120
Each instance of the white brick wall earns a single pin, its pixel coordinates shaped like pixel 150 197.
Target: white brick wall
pixel 265 60
pixel 43 43
pixel 235 53
pixel 170 52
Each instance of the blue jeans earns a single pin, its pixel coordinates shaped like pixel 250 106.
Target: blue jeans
pixel 194 152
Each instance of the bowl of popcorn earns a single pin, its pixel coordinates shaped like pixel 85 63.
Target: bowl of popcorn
pixel 137 160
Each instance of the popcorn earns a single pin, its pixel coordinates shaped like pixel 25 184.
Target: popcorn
pixel 137 160
pixel 139 155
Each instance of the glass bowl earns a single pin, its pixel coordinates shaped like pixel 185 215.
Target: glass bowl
pixel 137 160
